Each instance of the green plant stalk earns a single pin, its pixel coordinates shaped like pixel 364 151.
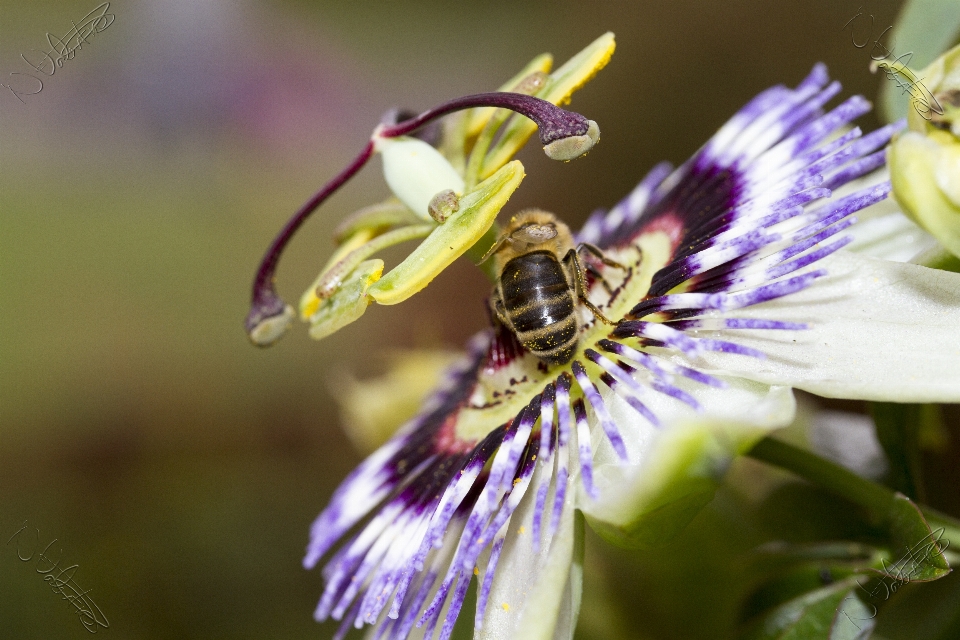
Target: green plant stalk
pixel 875 498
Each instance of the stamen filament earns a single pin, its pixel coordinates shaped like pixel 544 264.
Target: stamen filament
pixel 564 134
pixel 269 315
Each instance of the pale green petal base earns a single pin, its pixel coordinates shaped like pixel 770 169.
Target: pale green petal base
pixel 884 232
pixel 674 471
pixel 878 330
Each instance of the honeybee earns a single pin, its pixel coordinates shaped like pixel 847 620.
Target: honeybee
pixel 539 283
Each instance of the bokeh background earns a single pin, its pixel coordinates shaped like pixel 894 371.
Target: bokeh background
pixel 180 467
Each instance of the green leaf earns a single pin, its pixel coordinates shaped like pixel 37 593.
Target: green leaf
pixel 854 619
pixel 832 612
pixel 929 612
pixel 917 551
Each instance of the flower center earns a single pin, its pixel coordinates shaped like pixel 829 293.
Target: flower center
pixel 502 391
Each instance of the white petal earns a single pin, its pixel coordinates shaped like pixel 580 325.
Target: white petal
pixel 674 471
pixel 536 595
pixel 892 236
pixel 878 330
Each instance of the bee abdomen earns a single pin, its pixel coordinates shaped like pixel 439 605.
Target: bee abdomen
pixel 554 344
pixel 540 304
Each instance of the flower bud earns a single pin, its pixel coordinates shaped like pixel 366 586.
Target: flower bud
pixel 925 161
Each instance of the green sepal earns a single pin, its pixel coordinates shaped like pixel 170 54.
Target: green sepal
pixel 685 480
pixel 447 242
pixel 349 301
pixel 645 503
pixel 924 29
pixel 938 257
pixel 661 522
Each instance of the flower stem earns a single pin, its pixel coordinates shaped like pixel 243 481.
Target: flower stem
pixel 874 497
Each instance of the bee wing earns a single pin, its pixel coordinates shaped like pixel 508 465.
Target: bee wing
pixel 535 233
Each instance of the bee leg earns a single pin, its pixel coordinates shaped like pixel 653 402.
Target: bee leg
pixel 599 276
pixel 598 253
pixel 572 260
pixel 497 312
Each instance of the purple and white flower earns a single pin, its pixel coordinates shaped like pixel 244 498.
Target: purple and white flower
pixel 738 289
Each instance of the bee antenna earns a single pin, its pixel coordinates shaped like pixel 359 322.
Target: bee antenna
pixel 492 250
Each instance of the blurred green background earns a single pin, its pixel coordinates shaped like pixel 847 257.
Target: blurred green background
pixel 180 467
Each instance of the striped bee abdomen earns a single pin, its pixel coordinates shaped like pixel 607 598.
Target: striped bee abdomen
pixel 540 303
